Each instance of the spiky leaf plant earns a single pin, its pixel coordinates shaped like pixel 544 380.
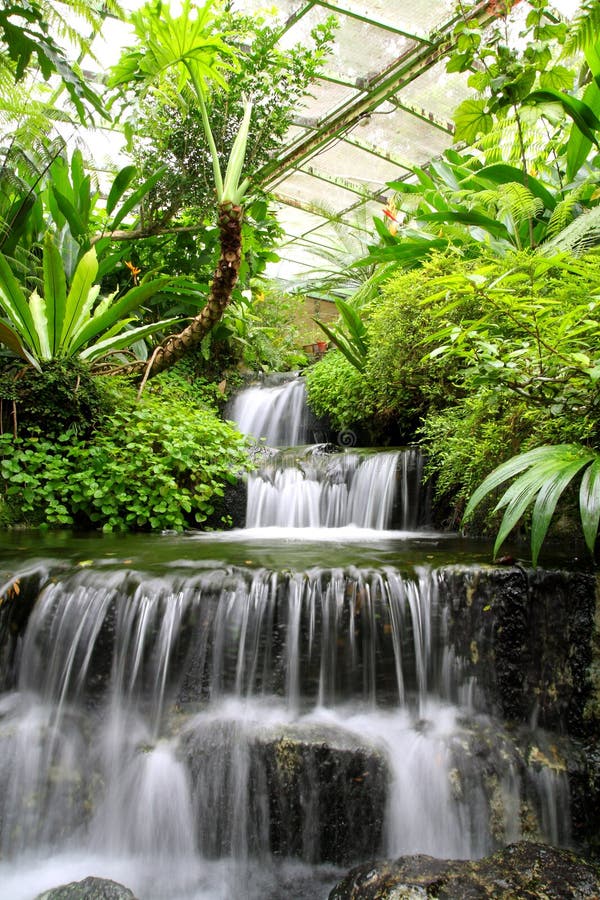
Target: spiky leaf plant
pixel 543 476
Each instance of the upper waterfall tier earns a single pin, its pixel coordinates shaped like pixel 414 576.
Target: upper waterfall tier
pixel 279 414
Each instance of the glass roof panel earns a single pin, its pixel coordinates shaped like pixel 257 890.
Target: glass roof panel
pixel 378 47
pixel 384 105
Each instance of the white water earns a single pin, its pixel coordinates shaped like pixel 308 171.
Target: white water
pixel 276 415
pixel 102 765
pixel 331 491
pixel 137 742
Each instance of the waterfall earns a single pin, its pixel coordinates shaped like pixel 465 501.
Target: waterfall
pixel 318 487
pixel 166 723
pixel 331 491
pixel 221 720
pixel 278 415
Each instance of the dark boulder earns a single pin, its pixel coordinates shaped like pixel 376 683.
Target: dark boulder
pixel 522 870
pixel 89 889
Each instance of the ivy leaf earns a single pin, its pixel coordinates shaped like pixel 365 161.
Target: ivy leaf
pixel 472 118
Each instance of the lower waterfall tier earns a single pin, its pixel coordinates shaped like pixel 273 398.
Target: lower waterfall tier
pixel 238 731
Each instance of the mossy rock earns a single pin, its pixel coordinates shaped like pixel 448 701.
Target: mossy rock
pixel 89 889
pixel 524 870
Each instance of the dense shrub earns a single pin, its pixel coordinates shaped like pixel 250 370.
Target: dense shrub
pixel 63 397
pixel 161 463
pixel 402 381
pixel 337 390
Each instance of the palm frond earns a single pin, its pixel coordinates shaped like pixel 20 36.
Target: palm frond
pixel 542 475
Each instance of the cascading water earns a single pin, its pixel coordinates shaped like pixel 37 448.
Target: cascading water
pixel 278 414
pixel 215 729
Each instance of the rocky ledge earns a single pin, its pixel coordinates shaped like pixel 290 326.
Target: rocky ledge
pixel 522 870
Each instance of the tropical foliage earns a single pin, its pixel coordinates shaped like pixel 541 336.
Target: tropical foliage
pixel 541 477
pixel 159 463
pixel 66 320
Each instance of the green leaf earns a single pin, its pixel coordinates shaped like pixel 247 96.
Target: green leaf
pixel 578 146
pixel 55 291
pixel 584 117
pixel 78 296
pixel 136 197
pixel 13 341
pixel 106 317
pixel 589 503
pixel 76 223
pixel 501 173
pixel 124 339
pixel 14 303
pixel 516 499
pixel 37 305
pixel 468 217
pixel 550 491
pixel 507 470
pixel 122 181
pixel 472 118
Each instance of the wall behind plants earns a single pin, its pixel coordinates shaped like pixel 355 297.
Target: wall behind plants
pixel 162 463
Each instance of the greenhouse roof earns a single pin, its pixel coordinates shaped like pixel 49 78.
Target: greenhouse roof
pixel 383 104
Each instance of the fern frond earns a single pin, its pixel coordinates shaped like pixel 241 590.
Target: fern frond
pixel 579 237
pixel 518 202
pixel 585 28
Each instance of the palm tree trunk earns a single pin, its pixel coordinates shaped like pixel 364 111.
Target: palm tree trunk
pixel 225 276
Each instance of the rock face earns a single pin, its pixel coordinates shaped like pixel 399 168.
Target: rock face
pixel 523 870
pixel 309 792
pixel 89 889
pixel 525 635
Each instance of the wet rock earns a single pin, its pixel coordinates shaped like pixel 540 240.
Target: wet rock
pixel 525 635
pixel 523 870
pixel 309 792
pixel 89 889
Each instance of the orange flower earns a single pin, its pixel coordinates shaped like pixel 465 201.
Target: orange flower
pixel 134 271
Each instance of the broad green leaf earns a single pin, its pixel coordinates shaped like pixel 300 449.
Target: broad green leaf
pixel 105 318
pixel 136 197
pixel 471 119
pixel 501 173
pixel 468 217
pixel 232 189
pixel 589 503
pixel 14 303
pixel 77 298
pixel 354 323
pixel 76 223
pixel 583 116
pixel 578 145
pixel 557 78
pixel 13 341
pixel 342 346
pixel 122 181
pixel 125 339
pixel 55 291
pixel 37 305
pixel 77 170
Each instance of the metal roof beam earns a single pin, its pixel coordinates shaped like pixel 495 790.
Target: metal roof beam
pixel 368 21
